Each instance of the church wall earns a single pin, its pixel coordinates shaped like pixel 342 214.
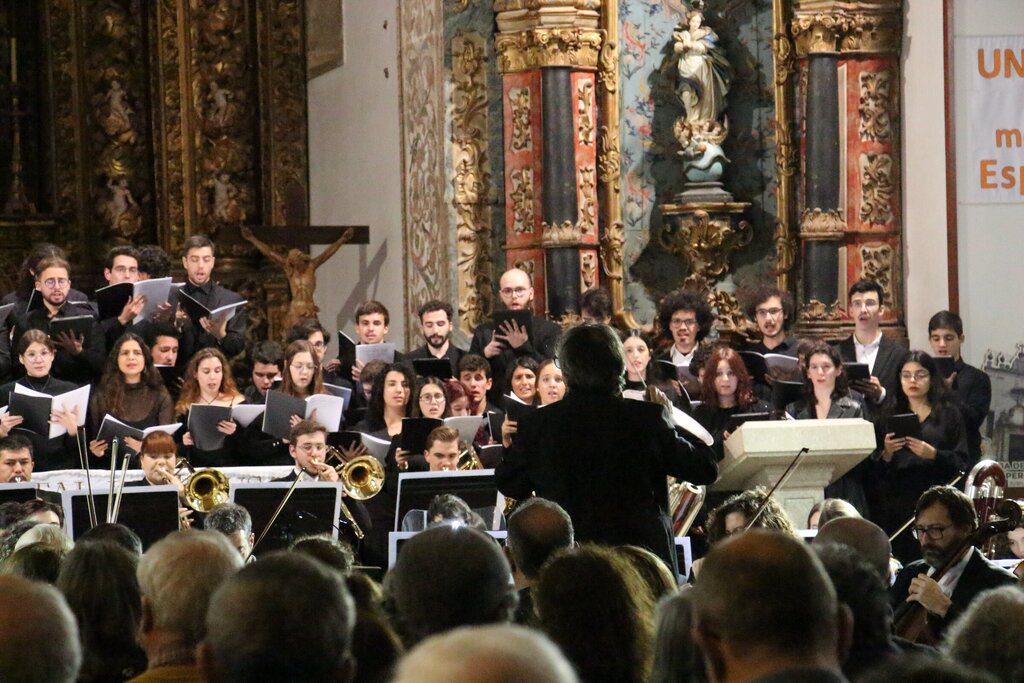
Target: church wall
pixel 355 169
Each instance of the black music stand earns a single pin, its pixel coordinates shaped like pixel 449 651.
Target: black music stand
pixel 312 510
pixel 19 492
pixel 151 512
pixel 476 487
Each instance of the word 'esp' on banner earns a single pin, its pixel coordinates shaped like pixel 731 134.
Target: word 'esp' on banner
pixel 995 129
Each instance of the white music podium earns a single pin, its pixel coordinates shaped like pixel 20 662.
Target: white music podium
pixel 757 454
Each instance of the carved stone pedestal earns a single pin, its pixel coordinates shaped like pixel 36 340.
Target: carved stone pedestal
pixel 704 235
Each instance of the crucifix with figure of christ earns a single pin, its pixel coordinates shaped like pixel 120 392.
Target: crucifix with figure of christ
pixel 288 248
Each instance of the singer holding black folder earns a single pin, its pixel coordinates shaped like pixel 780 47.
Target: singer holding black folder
pixel 904 467
pixel 209 382
pixel 130 390
pixel 36 352
pixel 604 458
pixel 198 260
pixel 727 389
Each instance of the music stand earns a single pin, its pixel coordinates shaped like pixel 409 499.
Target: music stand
pixel 396 539
pixel 19 492
pixel 312 510
pixel 151 512
pixel 476 487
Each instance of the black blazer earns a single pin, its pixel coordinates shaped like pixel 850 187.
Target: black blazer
pixel 194 338
pixel 605 460
pixel 979 575
pixel 972 390
pixel 540 347
pixel 887 362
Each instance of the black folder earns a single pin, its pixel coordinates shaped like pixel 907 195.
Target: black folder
pixel 523 318
pixel 110 300
pixel 857 372
pixel 516 410
pixel 277 418
pixel 784 393
pixel 736 421
pixel 77 325
pixel 438 368
pixel 904 425
pixel 415 431
pixel 944 365
pixel 34 411
pixel 202 424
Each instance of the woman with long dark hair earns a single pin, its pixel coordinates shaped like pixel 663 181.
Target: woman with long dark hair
pixel 726 390
pixel 904 468
pixel 36 352
pixel 130 390
pixel 208 381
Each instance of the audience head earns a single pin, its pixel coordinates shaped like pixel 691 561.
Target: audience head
pixel 685 318
pixel 536 530
pixel 772 310
pixel 943 519
pixel 592 360
pixel 989 635
pixel 163 340
pixel 174 600
pixel 16 463
pixel 522 378
pixel 762 596
pixel 676 657
pixel 98 581
pixel 475 373
pixel 946 334
pixel 234 522
pixel 260 625
pixel 451 510
pixel 436 323
pixel 372 320
pixel 733 515
pixel 335 554
pixel 153 262
pixel 267 361
pixel 47 535
pixel 121 265
pixel 301 373
pixel 38 633
pixel 550 383
pixel 657 576
pixel 499 653
pixel 826 510
pixel 925 669
pixel 198 257
pixel 118 534
pixel 475 590
pixel 596 306
pixel 865 538
pixel 38 562
pixel 726 382
pixel 515 289
pixel 607 639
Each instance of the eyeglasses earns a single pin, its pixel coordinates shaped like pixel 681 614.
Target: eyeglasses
pixel 313 448
pixel 318 345
pixel 767 312
pixel 126 269
pixel 514 291
pixel 932 531
pixel 689 323
pixel 870 303
pixel 52 282
pixel 920 376
pixel 432 398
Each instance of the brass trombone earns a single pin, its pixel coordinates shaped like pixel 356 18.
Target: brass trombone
pixel 204 489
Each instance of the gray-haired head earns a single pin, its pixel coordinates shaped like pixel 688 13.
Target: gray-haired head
pixel 592 359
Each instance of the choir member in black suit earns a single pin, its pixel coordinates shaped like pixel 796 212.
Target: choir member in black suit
pixel 501 346
pixel 868 345
pixel 198 260
pixel 971 387
pixel 436 327
pixel 904 468
pixel 601 457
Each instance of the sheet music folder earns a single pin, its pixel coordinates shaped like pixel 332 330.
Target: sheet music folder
pixel 313 509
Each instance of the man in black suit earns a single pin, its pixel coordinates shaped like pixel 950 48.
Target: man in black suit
pixel 436 327
pixel 503 345
pixel 199 260
pixel 603 458
pixel 971 387
pixel 944 519
pixel 868 345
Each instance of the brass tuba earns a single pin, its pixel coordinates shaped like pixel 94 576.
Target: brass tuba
pixel 684 500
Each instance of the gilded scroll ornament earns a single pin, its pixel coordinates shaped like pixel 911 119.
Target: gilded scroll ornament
pixel 785 150
pixel 541 47
pixel 609 162
pixel 705 243
pixel 522 131
pixel 785 59
pixel 877 187
pixel 472 180
pixel 608 66
pixel 819 32
pixel 732 320
pixel 565 233
pixel 786 247
pixel 874 33
pixel 588 270
pixel 875 102
pixel 522 200
pixel 816 311
pixel 588 201
pixel 820 223
pixel 878 263
pixel 528 266
pixel 585 111
pixel 612 248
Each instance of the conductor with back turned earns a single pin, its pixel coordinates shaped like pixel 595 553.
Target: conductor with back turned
pixel 603 458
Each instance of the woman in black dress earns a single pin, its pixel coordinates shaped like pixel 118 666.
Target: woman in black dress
pixel 726 390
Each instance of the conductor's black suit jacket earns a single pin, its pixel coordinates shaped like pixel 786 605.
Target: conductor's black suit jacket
pixel 605 460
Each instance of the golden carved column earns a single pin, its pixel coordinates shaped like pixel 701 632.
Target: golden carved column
pixel 548 54
pixel 848 63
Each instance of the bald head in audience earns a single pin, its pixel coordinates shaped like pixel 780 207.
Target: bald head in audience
pixel 486 654
pixel 38 634
pixel 536 529
pixel 866 538
pixel 764 605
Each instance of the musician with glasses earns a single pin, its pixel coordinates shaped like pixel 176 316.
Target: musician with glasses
pixel 904 468
pixel 502 345
pixel 308 448
pixel 79 358
pixel 943 520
